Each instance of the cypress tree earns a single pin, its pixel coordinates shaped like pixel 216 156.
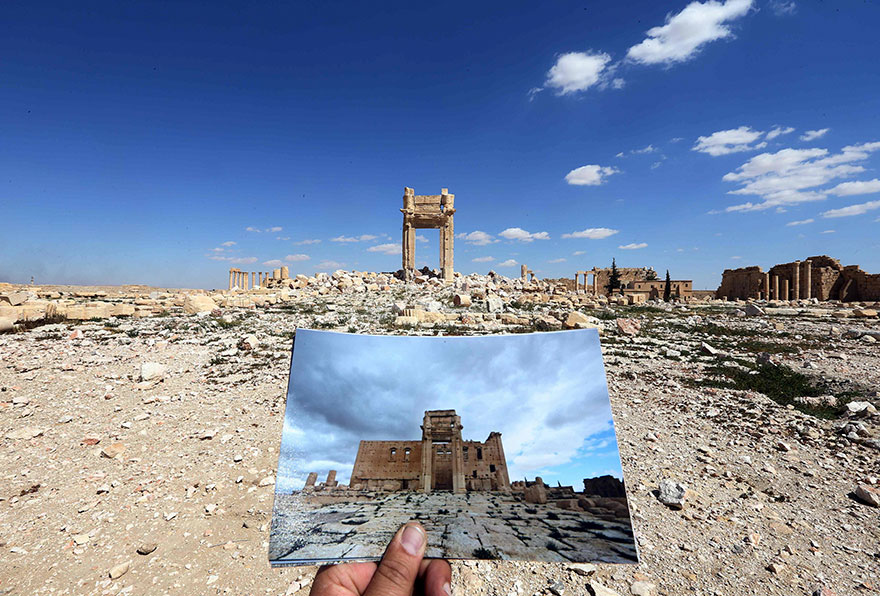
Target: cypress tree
pixel 667 291
pixel 614 280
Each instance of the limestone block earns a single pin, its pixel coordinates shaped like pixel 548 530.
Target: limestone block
pixel 122 310
pixel 14 298
pixel 536 494
pixel 494 304
pixel 6 323
pixel 462 300
pixel 196 303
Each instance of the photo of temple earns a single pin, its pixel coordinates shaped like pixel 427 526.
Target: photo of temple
pixel 441 461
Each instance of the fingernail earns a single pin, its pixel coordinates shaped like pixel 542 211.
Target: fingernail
pixel 412 540
pixel 447 588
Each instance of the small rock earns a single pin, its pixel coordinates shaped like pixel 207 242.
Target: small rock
pixel 868 495
pixel 641 588
pixel 120 570
pixel 267 481
pixel 151 371
pixel 147 548
pixel 583 569
pixel 672 493
pixel 630 327
pixel 113 450
pixel 25 432
pixel 80 539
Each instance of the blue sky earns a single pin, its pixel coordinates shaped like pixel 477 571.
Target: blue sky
pixel 545 393
pixel 140 141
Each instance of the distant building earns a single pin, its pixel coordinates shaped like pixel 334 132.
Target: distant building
pixel 442 460
pixel 822 277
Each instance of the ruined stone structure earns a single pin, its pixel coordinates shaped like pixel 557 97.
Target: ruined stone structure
pixel 442 460
pixel 428 212
pixel 821 277
pixel 244 280
pixel 639 282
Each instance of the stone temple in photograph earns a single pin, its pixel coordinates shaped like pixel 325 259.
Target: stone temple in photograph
pixel 441 461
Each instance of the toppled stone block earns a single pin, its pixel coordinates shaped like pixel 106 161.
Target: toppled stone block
pixel 629 327
pixel 672 493
pixel 197 303
pixel 462 300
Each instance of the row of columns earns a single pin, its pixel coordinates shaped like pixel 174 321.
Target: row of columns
pixel 244 280
pixel 799 288
pixel 586 274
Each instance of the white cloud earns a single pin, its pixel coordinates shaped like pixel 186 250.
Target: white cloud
pixel 859 209
pixel 386 249
pixel 633 246
pixel 592 233
pixel 729 141
pixel 229 243
pixel 783 8
pixel 297 257
pixel 648 149
pixel 792 176
pixel 812 135
pixel 578 253
pixel 656 164
pixel 361 238
pixel 483 259
pixel 252 229
pixel 308 241
pixel 617 83
pixel 522 235
pixel 273 263
pixel 274 229
pixel 589 175
pixel 421 238
pixel 778 131
pixel 218 249
pixel 620 154
pixel 477 238
pixel 736 257
pixel 235 260
pixel 508 263
pixel 576 71
pixel 829 231
pixel 859 187
pixel 282 237
pixel 681 37
pixel 328 265
pixel 801 222
pixel 559 260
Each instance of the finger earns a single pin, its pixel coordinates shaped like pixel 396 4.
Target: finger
pixel 437 578
pixel 350 579
pixel 399 567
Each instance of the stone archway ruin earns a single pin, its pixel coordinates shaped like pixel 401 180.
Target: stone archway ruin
pixel 428 212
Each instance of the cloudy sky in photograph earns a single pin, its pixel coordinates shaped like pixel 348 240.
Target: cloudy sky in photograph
pixel 546 393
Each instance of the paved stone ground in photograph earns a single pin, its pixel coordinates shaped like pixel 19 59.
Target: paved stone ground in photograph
pixel 475 525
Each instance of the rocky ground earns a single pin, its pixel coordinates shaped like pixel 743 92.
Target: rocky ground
pixel 483 525
pixel 138 446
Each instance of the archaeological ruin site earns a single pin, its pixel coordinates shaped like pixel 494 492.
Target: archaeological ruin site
pixel 140 432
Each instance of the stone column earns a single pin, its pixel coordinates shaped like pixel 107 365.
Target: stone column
pixel 458 483
pixel 785 294
pixel 285 272
pixel 776 287
pixel 808 279
pixel 313 477
pixel 427 465
pixel 276 274
pixel 766 286
pixel 449 261
pixel 595 284
pixel 331 478
pixel 230 278
pixel 253 279
pixel 796 281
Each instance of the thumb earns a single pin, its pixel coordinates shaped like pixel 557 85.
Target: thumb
pixel 397 571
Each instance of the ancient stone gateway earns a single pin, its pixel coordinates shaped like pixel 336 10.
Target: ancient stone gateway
pixel 442 460
pixel 428 212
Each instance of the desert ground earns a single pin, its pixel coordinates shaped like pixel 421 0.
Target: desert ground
pixel 140 428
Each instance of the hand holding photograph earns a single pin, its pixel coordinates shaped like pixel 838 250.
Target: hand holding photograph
pixel 503 447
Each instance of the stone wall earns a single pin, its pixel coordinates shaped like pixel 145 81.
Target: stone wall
pixel 820 277
pixel 377 467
